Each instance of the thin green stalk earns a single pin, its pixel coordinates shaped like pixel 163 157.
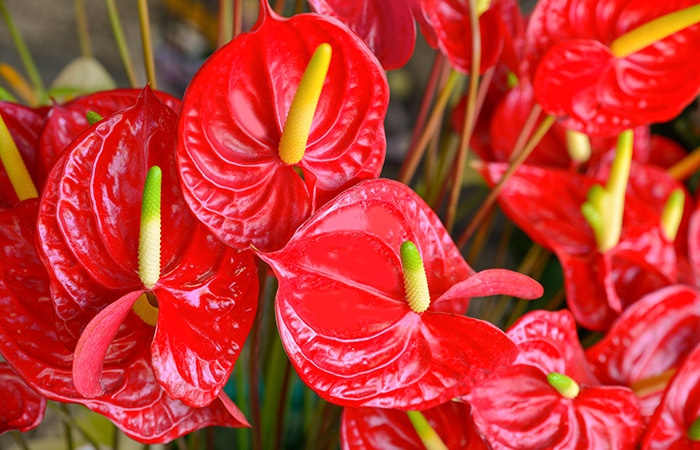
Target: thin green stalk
pixel 115 438
pixel 61 410
pixel 24 54
pixel 254 370
pixel 122 45
pixel 275 381
pixel 428 95
pixel 243 435
pixel 82 26
pixel 537 136
pixel 224 29
pixel 19 439
pixel 147 44
pixel 469 119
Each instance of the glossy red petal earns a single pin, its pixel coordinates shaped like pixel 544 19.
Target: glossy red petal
pixel 24 124
pixel 450 20
pixel 206 307
pixel 233 178
pixel 342 313
pixel 390 429
pixel 386 26
pixel 577 76
pixel 65 122
pixel 22 408
pixel 549 341
pixel 519 409
pixel 679 408
pixel 29 342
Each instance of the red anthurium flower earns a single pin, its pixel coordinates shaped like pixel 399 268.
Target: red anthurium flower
pixel 675 424
pixel 235 177
pixel 595 78
pixel 548 399
pixel 21 407
pixel 65 122
pixel 24 125
pixel 451 21
pixel 599 285
pixel 30 344
pixel 648 341
pixel 387 26
pixel 363 289
pixel 102 268
pixel 391 429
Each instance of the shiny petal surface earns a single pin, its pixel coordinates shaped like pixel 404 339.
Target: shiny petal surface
pixel 342 312
pixel 29 342
pixel 22 408
pixel 24 124
pixel 679 409
pixel 386 26
pixel 207 292
pixel 519 409
pixel 233 177
pixel 65 122
pixel 390 429
pixel 450 20
pixel 578 77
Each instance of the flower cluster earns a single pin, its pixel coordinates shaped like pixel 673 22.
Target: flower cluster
pixel 140 233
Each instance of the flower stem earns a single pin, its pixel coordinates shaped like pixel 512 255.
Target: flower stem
pixel 303 108
pixel 24 55
pixel 654 31
pixel 14 165
pixel 121 43
pixel 684 168
pixel 18 83
pixel 147 44
pixel 426 433
pixel 82 26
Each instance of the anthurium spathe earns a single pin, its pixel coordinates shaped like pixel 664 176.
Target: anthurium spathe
pixel 386 26
pixel 21 407
pixel 371 298
pixel 605 66
pixel 64 122
pixel 88 238
pixel 236 178
pixel 548 398
pixel 390 429
pixel 29 342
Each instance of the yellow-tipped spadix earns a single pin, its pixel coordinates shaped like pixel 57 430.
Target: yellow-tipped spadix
pixel 14 165
pixel 149 238
pixel 414 278
pixel 301 113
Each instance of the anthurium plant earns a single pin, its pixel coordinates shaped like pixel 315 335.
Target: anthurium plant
pixel 240 265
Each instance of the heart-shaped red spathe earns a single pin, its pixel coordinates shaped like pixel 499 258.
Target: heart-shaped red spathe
pixel 30 344
pixel 518 405
pixel 24 125
pixel 578 77
pixel 64 122
pixel 391 429
pixel 342 311
pixel 652 336
pixel 22 407
pixel 678 410
pixel 451 22
pixel 88 232
pixel 233 178
pixel 386 26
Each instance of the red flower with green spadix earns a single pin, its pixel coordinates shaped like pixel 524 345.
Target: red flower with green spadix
pixel 115 284
pixel 303 122
pixel 29 342
pixel 606 66
pixel 371 298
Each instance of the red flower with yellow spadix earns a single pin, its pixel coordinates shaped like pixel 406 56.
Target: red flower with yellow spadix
pixel 116 286
pixel 259 149
pixel 371 298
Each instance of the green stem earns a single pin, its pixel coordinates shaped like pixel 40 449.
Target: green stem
pixel 83 31
pixel 24 55
pixel 225 22
pixel 274 391
pixel 122 45
pixel 147 44
pixel 19 439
